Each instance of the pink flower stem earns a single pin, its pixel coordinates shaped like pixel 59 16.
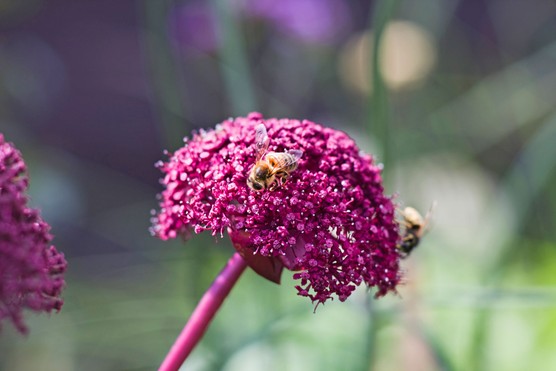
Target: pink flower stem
pixel 203 313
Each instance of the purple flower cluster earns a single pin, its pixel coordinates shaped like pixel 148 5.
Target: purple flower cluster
pixel 31 270
pixel 325 22
pixel 330 223
pixel 193 24
pixel 311 21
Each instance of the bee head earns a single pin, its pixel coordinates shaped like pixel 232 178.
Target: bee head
pixel 262 172
pixel 409 242
pixel 254 185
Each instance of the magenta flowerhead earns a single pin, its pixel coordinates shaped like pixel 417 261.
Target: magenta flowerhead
pixel 328 221
pixel 31 270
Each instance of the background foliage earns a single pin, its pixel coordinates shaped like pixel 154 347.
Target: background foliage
pixel 456 98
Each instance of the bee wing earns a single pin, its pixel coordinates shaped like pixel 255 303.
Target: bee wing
pixel 296 155
pixel 428 217
pixel 261 141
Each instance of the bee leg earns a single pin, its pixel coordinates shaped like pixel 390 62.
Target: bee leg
pixel 282 177
pixel 275 184
pixel 285 177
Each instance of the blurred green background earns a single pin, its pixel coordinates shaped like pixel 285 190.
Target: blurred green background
pixel 456 98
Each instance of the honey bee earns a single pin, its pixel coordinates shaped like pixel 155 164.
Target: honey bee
pixel 415 227
pixel 271 169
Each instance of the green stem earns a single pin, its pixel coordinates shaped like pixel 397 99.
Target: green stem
pixel 370 339
pixel 379 108
pixel 524 181
pixel 379 122
pixel 234 62
pixel 164 73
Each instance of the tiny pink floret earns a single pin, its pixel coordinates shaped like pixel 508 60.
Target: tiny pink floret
pixel 330 222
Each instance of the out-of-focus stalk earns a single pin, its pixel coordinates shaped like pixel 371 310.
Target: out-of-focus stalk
pixel 234 62
pixel 383 11
pixel 164 73
pixel 378 117
pixel 529 173
pixel 204 313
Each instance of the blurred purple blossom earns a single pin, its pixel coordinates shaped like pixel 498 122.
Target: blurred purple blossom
pixel 31 270
pixel 193 25
pixel 331 222
pixel 311 21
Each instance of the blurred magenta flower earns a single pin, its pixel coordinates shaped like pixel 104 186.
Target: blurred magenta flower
pixel 330 223
pixel 311 21
pixel 31 270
